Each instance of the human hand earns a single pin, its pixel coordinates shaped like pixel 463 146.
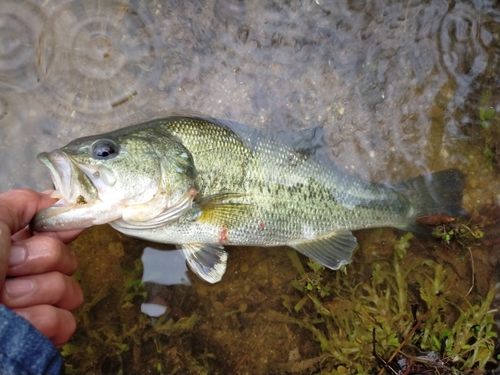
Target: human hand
pixel 38 267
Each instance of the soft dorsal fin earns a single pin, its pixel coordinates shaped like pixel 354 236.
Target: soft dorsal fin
pixel 332 252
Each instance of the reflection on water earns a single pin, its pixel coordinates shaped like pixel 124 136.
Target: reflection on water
pixel 164 267
pixel 400 88
pixel 153 309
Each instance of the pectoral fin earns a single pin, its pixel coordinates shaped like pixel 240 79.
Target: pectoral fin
pixel 224 215
pixel 223 210
pixel 332 252
pixel 208 261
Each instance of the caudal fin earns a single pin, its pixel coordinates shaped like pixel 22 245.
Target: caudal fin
pixel 435 193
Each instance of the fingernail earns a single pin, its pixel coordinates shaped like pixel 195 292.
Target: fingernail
pixel 18 255
pixel 16 288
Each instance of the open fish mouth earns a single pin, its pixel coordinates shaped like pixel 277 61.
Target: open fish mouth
pixel 72 186
pixel 75 192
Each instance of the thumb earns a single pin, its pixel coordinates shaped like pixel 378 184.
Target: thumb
pixel 17 207
pixel 4 251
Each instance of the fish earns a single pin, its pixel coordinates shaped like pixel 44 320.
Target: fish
pixel 202 184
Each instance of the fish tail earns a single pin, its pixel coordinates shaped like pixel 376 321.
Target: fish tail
pixel 435 193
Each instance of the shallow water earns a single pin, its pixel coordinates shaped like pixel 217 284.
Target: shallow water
pixel 400 88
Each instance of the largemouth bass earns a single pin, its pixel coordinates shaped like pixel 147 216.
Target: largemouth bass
pixel 202 184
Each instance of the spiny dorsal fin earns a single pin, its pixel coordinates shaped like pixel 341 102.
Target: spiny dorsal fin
pixel 211 200
pixel 332 252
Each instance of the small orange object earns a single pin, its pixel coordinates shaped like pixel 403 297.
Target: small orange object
pixel 436 219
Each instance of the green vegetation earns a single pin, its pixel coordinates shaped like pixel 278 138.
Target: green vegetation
pixel 462 233
pixel 485 112
pixel 491 130
pixel 108 341
pixel 271 308
pixel 345 314
pixel 114 340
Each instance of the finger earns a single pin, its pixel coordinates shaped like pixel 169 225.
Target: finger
pixel 4 251
pixel 21 235
pixel 17 208
pixel 56 324
pixel 41 254
pixel 65 236
pixel 52 288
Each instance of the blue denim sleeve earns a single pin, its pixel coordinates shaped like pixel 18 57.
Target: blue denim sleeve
pixel 24 350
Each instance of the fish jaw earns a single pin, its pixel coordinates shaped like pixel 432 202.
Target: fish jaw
pixel 79 205
pixel 77 216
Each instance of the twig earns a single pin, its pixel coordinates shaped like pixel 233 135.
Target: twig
pixel 473 271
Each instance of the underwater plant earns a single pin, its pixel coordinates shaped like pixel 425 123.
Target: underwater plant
pixel 408 309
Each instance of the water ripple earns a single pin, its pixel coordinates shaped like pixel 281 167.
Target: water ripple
pixel 4 107
pixel 95 59
pixel 20 27
pixel 461 38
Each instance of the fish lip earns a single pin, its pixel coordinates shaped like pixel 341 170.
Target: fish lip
pixel 65 173
pixel 60 171
pixel 44 158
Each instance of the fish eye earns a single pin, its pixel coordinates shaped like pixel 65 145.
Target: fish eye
pixel 104 149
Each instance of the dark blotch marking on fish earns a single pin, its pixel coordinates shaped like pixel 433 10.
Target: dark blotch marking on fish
pixel 81 200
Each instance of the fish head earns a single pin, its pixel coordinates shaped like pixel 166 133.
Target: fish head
pixel 134 178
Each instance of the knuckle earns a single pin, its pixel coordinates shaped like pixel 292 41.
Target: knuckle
pixel 66 291
pixel 56 286
pixel 58 324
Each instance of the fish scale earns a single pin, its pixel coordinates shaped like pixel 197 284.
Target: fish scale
pixel 288 196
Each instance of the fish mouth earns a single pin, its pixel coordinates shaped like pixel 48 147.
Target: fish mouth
pixel 74 190
pixel 72 186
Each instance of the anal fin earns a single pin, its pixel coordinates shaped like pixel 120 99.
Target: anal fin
pixel 332 252
pixel 208 261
